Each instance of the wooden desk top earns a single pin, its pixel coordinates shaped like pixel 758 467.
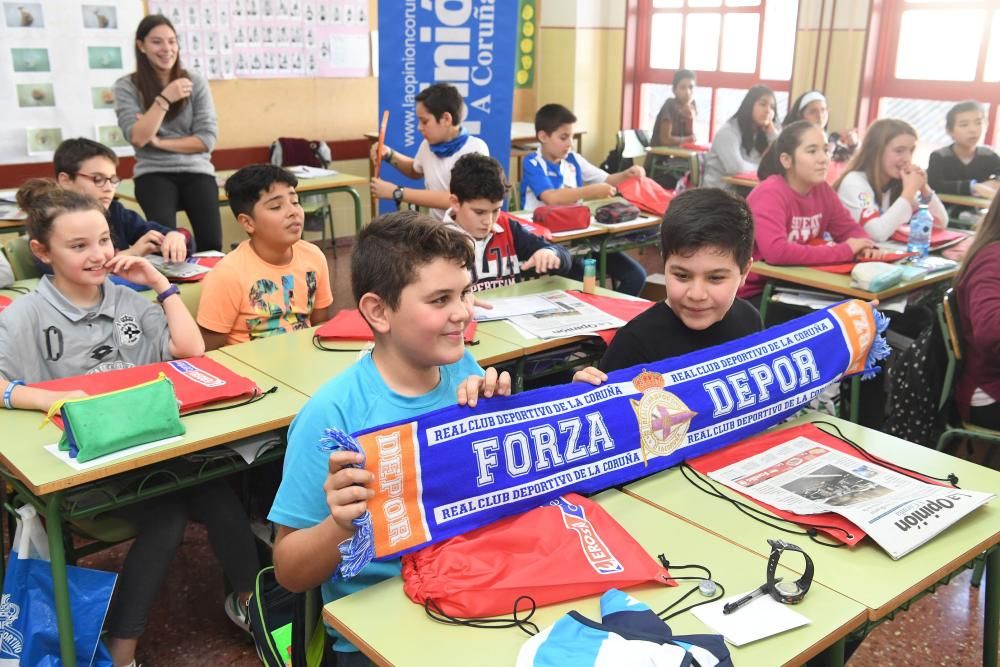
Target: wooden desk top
pixel 42 473
pixel 741 181
pixel 864 573
pixel 672 151
pixel 126 189
pixel 840 283
pixel 412 639
pixel 965 200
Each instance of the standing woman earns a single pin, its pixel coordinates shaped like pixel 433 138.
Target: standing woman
pixel 740 142
pixel 168 115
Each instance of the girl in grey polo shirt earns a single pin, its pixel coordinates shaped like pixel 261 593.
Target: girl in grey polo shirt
pixel 78 322
pixel 167 113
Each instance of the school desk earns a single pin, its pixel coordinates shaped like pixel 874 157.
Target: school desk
pixel 864 573
pixel 965 200
pixel 42 480
pixel 741 180
pixel 325 185
pixel 411 638
pixel 12 226
pixel 292 358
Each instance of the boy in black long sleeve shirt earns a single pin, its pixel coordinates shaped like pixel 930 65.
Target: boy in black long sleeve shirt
pixel 965 167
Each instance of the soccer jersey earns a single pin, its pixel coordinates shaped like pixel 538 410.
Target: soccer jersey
pixel 540 175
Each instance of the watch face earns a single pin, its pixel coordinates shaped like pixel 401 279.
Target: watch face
pixel 787 588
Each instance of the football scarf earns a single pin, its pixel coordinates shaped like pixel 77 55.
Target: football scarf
pixel 458 468
pixel 450 147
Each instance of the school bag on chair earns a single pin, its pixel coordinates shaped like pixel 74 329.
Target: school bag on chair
pixel 289 152
pixel 287 628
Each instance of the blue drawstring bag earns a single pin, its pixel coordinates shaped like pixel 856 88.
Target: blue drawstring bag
pixel 29 634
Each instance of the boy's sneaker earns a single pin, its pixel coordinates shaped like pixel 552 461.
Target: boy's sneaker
pixel 238 613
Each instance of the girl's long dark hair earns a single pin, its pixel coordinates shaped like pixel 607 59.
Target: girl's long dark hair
pixel 145 78
pixel 787 142
pixel 751 136
pixel 988 232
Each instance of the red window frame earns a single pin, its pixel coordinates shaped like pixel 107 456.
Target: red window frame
pixel 880 72
pixel 638 28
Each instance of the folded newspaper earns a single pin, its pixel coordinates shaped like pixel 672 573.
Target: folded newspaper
pixel 569 316
pixel 805 477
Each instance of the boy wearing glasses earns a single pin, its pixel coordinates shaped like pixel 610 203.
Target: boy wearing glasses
pixel 90 168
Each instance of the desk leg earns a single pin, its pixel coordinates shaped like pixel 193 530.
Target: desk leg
pixel 833 656
pixel 518 376
pixel 765 299
pixel 357 207
pixel 991 617
pixel 602 262
pixel 855 398
pixel 60 585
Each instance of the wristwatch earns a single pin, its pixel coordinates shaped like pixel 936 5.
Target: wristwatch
pixel 167 293
pixel 788 592
pixel 397 196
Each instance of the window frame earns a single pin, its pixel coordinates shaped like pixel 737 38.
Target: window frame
pixel 638 29
pixel 879 80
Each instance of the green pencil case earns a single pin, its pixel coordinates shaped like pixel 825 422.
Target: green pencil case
pixel 94 426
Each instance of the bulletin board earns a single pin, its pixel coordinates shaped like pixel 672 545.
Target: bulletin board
pixel 58 62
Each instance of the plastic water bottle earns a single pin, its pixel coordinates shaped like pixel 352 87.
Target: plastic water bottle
pixel 590 276
pixel 920 232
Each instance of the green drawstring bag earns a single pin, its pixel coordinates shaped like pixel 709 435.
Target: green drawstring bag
pixel 106 423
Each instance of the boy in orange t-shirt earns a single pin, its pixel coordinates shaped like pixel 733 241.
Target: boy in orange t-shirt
pixel 273 282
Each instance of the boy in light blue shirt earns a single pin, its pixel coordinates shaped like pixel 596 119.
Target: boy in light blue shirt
pixel 411 277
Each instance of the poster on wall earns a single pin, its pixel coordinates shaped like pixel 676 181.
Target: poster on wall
pixel 527 25
pixel 58 63
pixel 466 43
pixel 271 39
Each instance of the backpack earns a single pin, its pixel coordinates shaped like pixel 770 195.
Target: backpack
pixel 279 624
pixel 288 152
pixel 915 396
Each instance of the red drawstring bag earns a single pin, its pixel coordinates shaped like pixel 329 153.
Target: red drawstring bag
pixel 646 194
pixel 4 302
pixel 568 549
pixel 349 325
pixel 198 381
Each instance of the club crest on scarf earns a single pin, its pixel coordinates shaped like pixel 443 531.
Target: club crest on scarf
pixel 663 417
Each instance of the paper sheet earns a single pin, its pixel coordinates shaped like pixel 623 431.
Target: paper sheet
pixel 761 617
pixel 513 306
pixel 304 171
pixel 107 458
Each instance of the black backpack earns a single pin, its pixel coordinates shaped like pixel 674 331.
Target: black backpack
pixel 286 627
pixel 917 380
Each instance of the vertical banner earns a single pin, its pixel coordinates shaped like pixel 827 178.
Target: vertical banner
pixel 467 43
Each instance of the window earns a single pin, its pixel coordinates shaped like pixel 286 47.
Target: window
pixel 730 44
pixel 917 75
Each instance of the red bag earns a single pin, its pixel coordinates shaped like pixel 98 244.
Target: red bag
pixel 349 325
pixel 563 218
pixel 529 226
pixel 198 381
pixel 647 194
pixel 569 549
pixel 4 302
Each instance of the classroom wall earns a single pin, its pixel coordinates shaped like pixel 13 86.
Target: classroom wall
pixel 580 64
pixel 829 55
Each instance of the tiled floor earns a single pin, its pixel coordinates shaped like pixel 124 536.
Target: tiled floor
pixel 188 627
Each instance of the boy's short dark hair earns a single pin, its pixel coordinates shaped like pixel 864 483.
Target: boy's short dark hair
pixel 441 97
pixel 73 152
pixel 391 249
pixel 477 176
pixel 551 117
pixel 707 217
pixel 682 75
pixel 245 187
pixel 961 107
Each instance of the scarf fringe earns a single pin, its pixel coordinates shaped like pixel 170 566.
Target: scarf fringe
pixel 359 550
pixel 880 348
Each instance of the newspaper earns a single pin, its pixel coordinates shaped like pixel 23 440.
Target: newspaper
pixel 572 317
pixel 899 512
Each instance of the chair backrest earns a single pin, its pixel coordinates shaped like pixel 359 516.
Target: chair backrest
pixel 21 259
pixel 947 315
pixel 953 333
pixel 633 143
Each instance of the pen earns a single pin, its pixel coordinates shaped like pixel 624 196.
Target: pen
pixel 733 606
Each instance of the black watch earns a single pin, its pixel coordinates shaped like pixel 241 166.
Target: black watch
pixel 788 592
pixel 397 196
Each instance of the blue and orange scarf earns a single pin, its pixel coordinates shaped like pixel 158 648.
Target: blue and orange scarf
pixel 459 468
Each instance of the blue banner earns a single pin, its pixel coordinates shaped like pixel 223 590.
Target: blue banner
pixel 467 43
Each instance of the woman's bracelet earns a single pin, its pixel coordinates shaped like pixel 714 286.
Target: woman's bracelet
pixel 165 100
pixel 392 154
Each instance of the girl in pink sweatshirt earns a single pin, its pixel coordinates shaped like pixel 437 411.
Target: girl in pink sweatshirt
pixel 798 219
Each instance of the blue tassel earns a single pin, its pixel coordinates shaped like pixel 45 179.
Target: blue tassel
pixel 358 551
pixel 880 348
